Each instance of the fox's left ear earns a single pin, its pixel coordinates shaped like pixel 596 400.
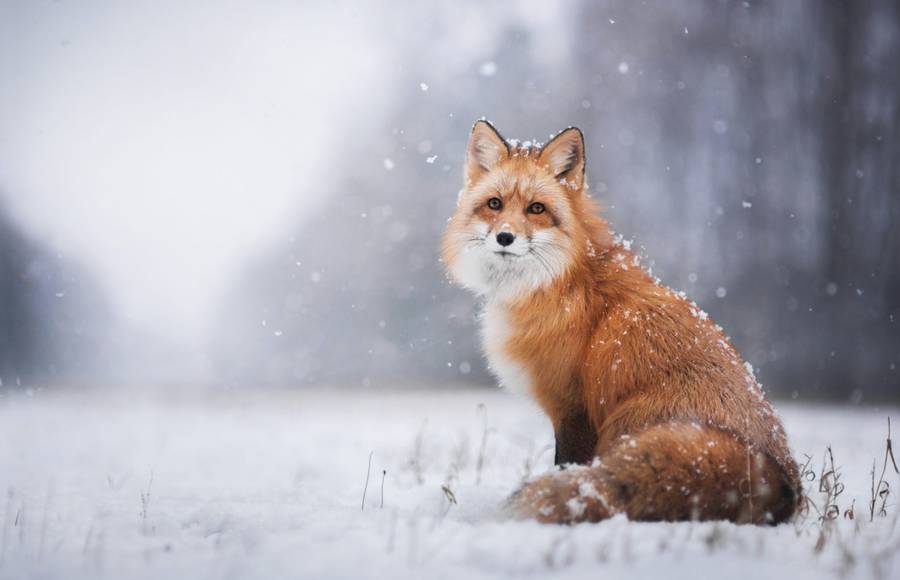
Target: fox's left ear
pixel 563 156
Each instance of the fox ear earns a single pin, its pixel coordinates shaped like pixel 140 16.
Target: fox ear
pixel 486 148
pixel 563 156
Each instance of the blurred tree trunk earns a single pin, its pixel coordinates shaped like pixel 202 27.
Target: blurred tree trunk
pixel 840 21
pixel 859 289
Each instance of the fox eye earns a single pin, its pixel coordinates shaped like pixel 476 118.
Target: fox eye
pixel 536 208
pixel 495 203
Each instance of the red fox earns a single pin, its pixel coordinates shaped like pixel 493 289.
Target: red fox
pixel 644 391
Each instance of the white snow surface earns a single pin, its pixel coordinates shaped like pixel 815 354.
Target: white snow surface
pixel 270 485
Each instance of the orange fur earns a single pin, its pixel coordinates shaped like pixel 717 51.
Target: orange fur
pixel 628 371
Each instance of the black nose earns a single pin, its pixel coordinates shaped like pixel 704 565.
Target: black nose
pixel 505 238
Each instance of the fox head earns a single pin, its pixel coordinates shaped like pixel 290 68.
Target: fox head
pixel 522 218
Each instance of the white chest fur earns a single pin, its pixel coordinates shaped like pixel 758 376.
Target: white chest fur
pixel 495 334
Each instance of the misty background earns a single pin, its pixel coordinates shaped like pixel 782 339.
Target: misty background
pixel 239 194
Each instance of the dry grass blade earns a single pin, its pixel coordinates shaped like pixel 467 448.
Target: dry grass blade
pixel 479 464
pixel 415 462
pixel 881 490
pixel 890 450
pixel 145 502
pixel 831 486
pixel 362 507
pixel 448 493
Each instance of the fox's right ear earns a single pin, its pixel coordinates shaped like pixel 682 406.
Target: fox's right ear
pixel 486 148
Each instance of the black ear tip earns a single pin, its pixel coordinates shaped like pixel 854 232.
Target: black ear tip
pixel 486 123
pixel 567 132
pixel 576 130
pixel 482 122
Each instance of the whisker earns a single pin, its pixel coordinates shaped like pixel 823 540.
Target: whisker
pixel 546 244
pixel 473 241
pixel 542 259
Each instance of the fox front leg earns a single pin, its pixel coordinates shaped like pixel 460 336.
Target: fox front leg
pixel 576 439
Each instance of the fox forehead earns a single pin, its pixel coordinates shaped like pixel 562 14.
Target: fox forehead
pixel 514 178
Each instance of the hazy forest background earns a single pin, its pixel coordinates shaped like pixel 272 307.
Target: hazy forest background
pixel 256 198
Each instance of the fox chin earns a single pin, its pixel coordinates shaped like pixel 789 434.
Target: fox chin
pixel 654 412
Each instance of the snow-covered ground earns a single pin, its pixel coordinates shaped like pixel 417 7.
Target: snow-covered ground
pixel 270 485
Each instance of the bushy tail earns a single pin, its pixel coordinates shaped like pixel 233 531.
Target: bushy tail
pixel 677 471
